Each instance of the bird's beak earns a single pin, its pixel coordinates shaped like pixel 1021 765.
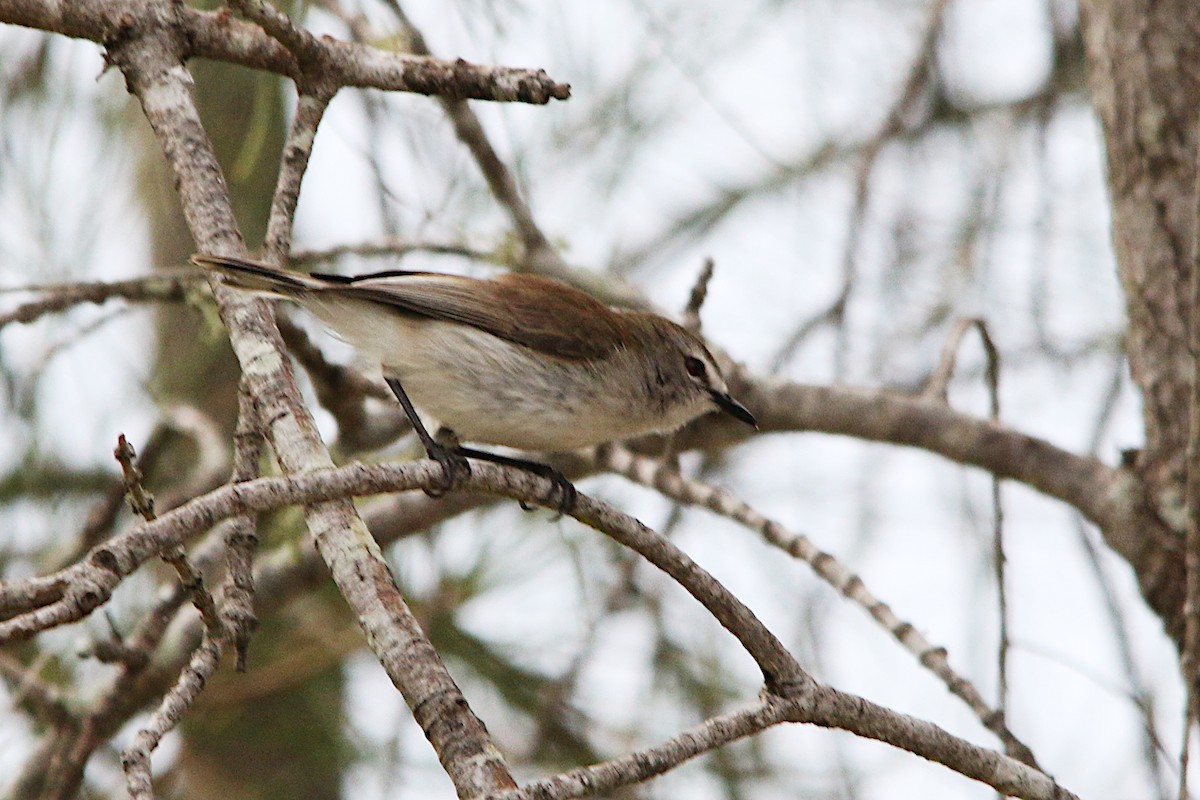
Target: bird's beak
pixel 733 408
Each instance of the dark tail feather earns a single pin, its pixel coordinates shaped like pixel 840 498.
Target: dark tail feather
pixel 255 276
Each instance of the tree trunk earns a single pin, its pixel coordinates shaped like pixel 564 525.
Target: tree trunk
pixel 1144 73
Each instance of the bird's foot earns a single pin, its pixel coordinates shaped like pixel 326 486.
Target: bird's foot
pixel 560 487
pixel 455 469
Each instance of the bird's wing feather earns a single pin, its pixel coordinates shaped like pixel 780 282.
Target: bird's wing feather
pixel 540 313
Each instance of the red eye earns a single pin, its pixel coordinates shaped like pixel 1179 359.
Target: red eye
pixel 694 366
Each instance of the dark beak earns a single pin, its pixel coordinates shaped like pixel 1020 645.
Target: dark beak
pixel 733 408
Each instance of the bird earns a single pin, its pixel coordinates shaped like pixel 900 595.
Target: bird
pixel 519 360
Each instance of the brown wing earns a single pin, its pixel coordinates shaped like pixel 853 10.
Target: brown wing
pixel 539 313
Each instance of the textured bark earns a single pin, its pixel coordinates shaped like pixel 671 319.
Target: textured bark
pixel 1144 72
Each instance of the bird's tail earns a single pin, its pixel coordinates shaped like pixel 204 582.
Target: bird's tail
pixel 258 277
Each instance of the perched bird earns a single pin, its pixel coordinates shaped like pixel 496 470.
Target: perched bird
pixel 521 361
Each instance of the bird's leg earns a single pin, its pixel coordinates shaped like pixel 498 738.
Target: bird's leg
pixel 445 450
pixel 454 463
pixel 560 485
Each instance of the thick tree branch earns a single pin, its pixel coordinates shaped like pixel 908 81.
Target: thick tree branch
pixel 1110 497
pixel 218 36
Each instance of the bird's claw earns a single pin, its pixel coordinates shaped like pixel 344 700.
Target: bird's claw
pixel 560 486
pixel 455 470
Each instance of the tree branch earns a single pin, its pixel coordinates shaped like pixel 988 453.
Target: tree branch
pixel 1110 497
pixel 655 474
pixel 805 699
pixel 218 36
pixel 158 288
pixel 148 48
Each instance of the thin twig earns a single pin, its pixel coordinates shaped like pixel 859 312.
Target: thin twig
pixel 208 472
pixel 1140 694
pixel 136 758
pixel 237 618
pixel 938 387
pixel 142 503
pixel 649 472
pixel 893 123
pixel 999 559
pixel 691 312
pixel 394 247
pixel 316 88
pixel 157 288
pixel 241 540
pixel 129 688
pixel 310 108
pixel 632 768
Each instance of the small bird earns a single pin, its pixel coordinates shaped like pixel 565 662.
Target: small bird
pixel 520 360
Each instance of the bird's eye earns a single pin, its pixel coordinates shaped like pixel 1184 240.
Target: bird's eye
pixel 694 366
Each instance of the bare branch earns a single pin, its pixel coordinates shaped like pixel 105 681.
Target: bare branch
pixel 601 779
pixel 142 503
pixel 106 565
pixel 939 382
pixel 218 36
pixel 148 52
pixel 806 700
pixel 825 707
pixel 938 387
pixel 649 472
pixel 135 683
pixel 691 312
pixel 136 758
pixel 860 716
pixel 302 44
pixel 235 622
pixel 1111 497
pixel 158 288
pixel 317 87
pixel 310 108
pixel 241 540
pixel 397 248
